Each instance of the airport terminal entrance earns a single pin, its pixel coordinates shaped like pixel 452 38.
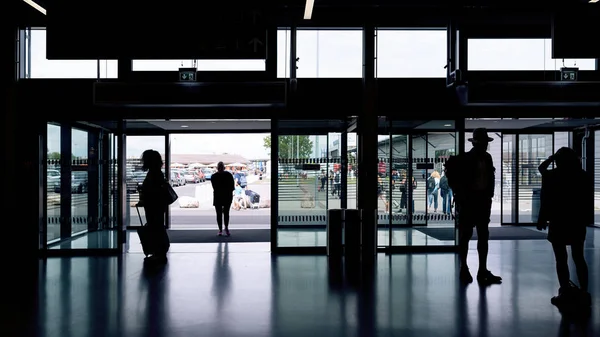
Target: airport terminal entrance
pixel 298 168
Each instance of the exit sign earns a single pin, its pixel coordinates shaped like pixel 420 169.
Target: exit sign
pixel 569 74
pixel 187 74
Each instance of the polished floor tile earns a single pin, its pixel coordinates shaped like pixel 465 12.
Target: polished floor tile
pixel 242 290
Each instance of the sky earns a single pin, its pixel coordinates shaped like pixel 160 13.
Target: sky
pixel 250 146
pixel 337 53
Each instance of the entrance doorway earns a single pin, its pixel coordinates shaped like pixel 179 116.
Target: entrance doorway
pixel 191 151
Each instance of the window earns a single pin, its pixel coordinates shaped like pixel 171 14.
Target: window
pixel 411 53
pixel 40 67
pixel 519 54
pixel 329 53
pixel 283 53
pixel 201 65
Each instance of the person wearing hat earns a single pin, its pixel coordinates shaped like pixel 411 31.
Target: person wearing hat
pixel 474 203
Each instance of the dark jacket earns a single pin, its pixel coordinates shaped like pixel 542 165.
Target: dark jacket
pixel 223 186
pixel 152 192
pixel 566 204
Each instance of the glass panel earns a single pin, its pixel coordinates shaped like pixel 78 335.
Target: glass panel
pixel 53 173
pixel 534 149
pixel 201 65
pixel 352 187
pixel 44 68
pixel 420 175
pixel 597 176
pixel 304 196
pixel 79 181
pixel 135 146
pixel 561 139
pixel 400 183
pixel 519 54
pixel 283 53
pixel 383 186
pixel 411 53
pixel 509 172
pixel 439 201
pixel 113 174
pixel 495 150
pixel 329 53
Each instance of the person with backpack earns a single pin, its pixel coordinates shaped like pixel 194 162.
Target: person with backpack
pixel 446 194
pixel 433 190
pixel 337 183
pixel 471 176
pixel 243 181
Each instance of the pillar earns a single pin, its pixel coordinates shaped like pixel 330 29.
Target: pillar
pixel 367 155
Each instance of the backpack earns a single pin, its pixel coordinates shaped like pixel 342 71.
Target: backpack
pixel 430 184
pixel 336 178
pixel 444 183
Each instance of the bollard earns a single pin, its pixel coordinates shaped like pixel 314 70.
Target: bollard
pixel 352 235
pixel 334 232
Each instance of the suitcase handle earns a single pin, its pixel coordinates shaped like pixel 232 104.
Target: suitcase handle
pixel 139 215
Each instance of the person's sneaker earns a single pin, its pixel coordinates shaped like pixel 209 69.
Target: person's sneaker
pixel 465 275
pixel 227 232
pixel 220 233
pixel 486 277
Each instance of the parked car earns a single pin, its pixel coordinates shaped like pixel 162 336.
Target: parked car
pixel 174 179
pixel 201 175
pixel 191 177
pixel 53 177
pixel 79 183
pixel 207 173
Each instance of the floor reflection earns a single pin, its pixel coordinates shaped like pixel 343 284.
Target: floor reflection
pixel 233 290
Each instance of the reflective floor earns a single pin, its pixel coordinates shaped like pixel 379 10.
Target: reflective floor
pixel 241 290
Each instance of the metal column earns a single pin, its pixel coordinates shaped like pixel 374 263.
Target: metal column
pixel 121 186
pixel 367 171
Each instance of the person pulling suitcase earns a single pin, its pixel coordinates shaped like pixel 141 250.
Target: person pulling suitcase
pixel 156 194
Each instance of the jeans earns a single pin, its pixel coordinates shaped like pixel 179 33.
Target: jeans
pixel 433 198
pixel 447 201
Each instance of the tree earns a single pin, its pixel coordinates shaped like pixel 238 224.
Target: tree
pixel 292 146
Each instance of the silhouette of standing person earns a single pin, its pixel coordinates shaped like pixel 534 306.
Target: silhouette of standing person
pixel 223 186
pixel 153 201
pixel 473 197
pixel 566 209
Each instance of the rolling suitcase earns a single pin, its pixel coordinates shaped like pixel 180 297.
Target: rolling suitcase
pixel 145 235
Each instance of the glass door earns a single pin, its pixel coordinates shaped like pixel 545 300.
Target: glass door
pixel 533 150
pixel 134 175
pixel 77 182
pixel 311 178
pixel 420 205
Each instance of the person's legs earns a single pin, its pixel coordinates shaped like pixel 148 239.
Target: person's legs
pixel 429 200
pixel 465 232
pixel 219 210
pixel 435 201
pixel 483 237
pixel 580 265
pixel 562 265
pixel 226 217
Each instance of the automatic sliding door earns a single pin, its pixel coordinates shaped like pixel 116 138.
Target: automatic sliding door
pixel 308 184
pixel 135 146
pixel 533 150
pixel 53 182
pixel 420 205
